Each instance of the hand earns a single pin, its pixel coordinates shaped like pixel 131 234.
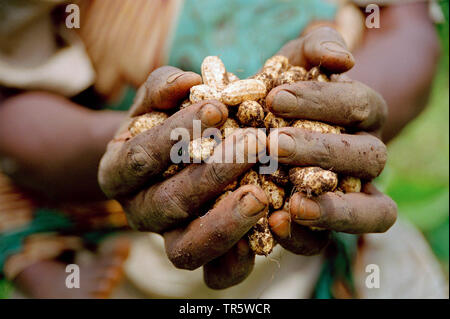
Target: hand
pixel 52 147
pixel 342 102
pixel 130 170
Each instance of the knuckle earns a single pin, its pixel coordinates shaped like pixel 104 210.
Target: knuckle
pixel 139 162
pixel 169 208
pixel 338 212
pixel 152 211
pixel 217 174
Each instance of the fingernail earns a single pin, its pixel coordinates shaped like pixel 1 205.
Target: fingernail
pixel 211 115
pixel 242 248
pixel 335 47
pixel 280 224
pixel 302 208
pixel 284 101
pixel 286 145
pixel 251 206
pixel 173 77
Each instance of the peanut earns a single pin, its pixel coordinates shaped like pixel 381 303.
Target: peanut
pixel 250 113
pixel 301 71
pixel 275 194
pixel 186 103
pixel 250 95
pixel 349 184
pixel 272 121
pixel 228 127
pixel 279 177
pixel 243 90
pixel 232 77
pixel 313 180
pixel 290 76
pixel 214 73
pixel 313 73
pixel 172 170
pixel 250 178
pixel 145 122
pixel 201 148
pixel 318 127
pixel 275 66
pixel 267 79
pixel 203 92
pixel 260 238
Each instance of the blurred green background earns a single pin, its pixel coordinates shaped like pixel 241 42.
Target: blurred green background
pixel 416 175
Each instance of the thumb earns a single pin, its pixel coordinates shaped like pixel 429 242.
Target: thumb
pixel 322 47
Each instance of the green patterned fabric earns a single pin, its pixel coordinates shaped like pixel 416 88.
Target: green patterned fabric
pixel 338 265
pixel 244 33
pixel 44 221
pixel 47 221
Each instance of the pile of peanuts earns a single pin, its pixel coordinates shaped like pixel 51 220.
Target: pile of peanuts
pixel 245 100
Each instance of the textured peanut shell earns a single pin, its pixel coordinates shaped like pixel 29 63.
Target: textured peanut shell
pixel 349 184
pixel 260 238
pixel 145 122
pixel 313 73
pixel 203 92
pixel 275 65
pixel 243 90
pixel 232 186
pixel 201 148
pixel 228 127
pixel 318 127
pixel 299 69
pixel 250 178
pixel 267 79
pixel 232 77
pixel 290 76
pixel 172 170
pixel 279 177
pixel 275 194
pixel 272 121
pixel 186 103
pixel 214 73
pixel 313 180
pixel 250 113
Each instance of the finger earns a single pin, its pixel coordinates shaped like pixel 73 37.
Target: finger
pixel 367 212
pixel 231 268
pixel 350 104
pixel 297 239
pixel 213 234
pixel 164 89
pixel 362 156
pixel 170 203
pixel 127 167
pixel 322 47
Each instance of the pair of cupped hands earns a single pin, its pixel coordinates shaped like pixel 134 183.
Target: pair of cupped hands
pixel 215 239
